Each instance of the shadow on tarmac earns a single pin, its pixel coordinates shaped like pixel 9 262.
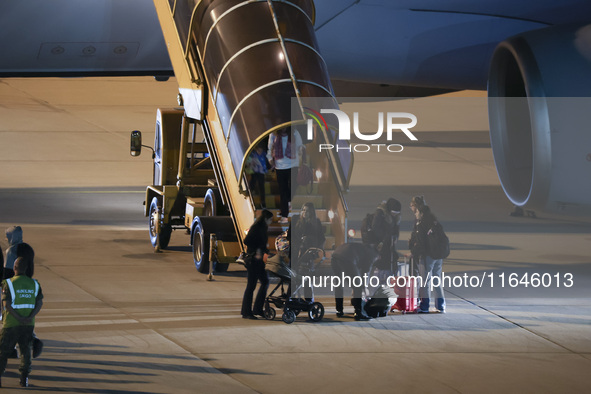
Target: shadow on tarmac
pixel 74 370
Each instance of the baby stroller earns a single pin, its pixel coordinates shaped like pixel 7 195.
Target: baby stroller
pixel 279 266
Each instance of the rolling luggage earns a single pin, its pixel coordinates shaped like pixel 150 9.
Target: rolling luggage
pixel 404 286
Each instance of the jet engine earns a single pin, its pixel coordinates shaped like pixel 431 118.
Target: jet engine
pixel 539 102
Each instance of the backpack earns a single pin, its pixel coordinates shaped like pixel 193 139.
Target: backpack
pixel 437 242
pixel 368 236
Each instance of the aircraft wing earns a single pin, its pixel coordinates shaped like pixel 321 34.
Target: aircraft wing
pixel 81 38
pixel 428 43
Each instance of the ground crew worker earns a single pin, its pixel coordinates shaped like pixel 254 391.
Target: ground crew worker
pixel 22 299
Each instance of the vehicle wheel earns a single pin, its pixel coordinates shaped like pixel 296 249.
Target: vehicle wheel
pixel 208 209
pixel 270 313
pixel 316 312
pixel 288 316
pixel 201 229
pixel 213 204
pixel 156 227
pixel 200 243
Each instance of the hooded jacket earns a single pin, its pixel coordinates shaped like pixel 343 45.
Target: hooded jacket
pixel 14 235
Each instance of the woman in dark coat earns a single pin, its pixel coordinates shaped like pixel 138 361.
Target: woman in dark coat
pixel 256 246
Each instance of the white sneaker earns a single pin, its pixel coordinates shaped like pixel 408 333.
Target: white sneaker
pixel 283 220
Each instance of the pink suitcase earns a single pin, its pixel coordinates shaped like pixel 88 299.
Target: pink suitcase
pixel 407 294
pixel 405 287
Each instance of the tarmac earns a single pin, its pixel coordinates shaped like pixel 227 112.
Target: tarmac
pixel 119 318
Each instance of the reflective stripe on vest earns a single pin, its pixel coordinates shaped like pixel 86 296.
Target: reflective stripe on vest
pixel 13 295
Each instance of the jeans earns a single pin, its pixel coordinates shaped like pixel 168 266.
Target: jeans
pixel 428 269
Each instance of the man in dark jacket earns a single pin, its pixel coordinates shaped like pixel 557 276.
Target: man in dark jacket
pixel 386 225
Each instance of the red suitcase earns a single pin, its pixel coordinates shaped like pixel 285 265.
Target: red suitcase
pixel 407 294
pixel 405 287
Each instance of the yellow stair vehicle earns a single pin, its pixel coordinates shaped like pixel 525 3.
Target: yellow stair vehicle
pixel 238 64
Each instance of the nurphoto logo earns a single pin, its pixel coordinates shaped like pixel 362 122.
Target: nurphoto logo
pixel 395 122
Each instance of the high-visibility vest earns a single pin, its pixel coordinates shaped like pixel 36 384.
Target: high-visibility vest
pixel 23 292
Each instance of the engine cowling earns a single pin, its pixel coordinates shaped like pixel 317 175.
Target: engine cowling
pixel 540 118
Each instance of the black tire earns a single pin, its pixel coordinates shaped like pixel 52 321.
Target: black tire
pixel 213 207
pixel 154 214
pixel 213 204
pixel 289 316
pixel 316 312
pixel 200 246
pixel 202 227
pixel 209 208
pixel 270 312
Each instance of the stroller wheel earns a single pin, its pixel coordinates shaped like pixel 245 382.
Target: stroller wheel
pixel 270 313
pixel 316 311
pixel 289 316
